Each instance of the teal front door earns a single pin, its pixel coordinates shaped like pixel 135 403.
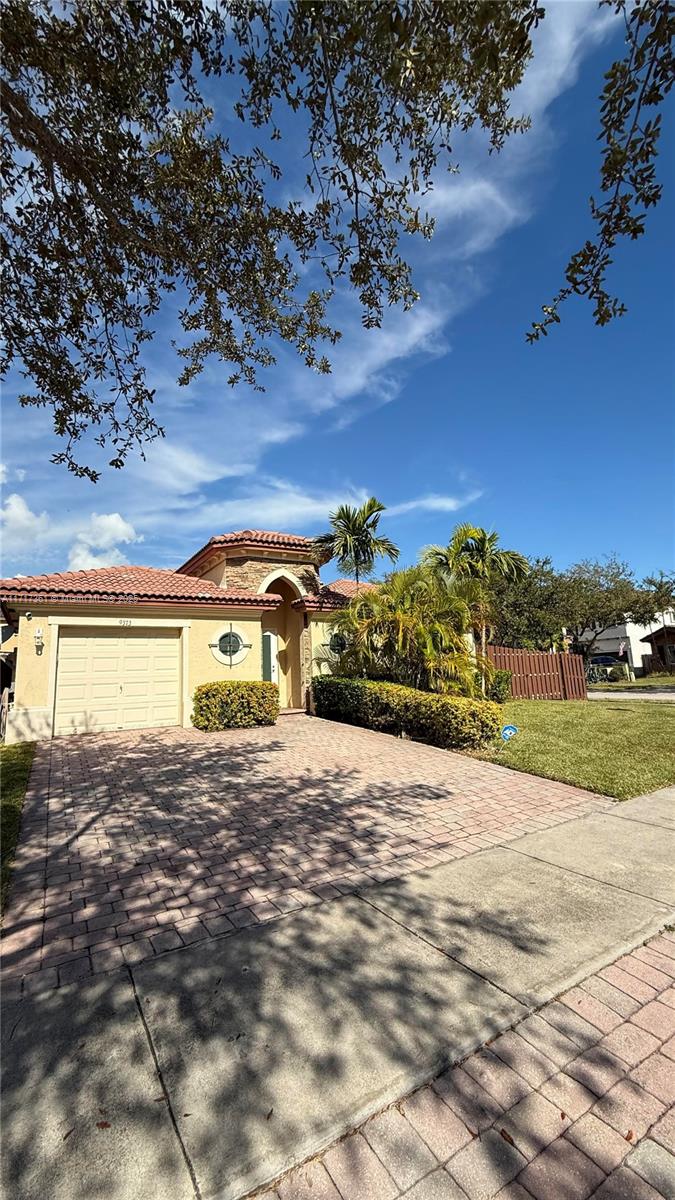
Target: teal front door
pixel 269 656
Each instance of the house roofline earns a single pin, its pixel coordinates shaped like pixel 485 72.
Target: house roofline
pixel 228 545
pixel 268 600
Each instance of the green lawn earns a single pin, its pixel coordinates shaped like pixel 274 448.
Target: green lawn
pixel 660 682
pixel 618 747
pixel 15 764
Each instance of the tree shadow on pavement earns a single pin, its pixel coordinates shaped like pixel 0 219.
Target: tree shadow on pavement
pixel 270 1041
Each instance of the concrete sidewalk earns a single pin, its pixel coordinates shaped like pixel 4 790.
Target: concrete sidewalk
pixel 211 1070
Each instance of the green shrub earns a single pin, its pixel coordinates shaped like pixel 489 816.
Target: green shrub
pixel 499 687
pixel 453 722
pixel 617 674
pixel 234 704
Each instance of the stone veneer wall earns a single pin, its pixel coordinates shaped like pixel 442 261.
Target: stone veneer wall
pixel 306 663
pixel 246 574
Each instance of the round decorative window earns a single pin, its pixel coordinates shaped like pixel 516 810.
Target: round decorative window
pixel 338 643
pixel 230 646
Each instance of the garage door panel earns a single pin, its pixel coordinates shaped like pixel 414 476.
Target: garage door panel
pixel 73 693
pixel 164 690
pixel 136 666
pixel 101 721
pixel 74 666
pixel 107 680
pixel 105 691
pixel 138 689
pixel 104 666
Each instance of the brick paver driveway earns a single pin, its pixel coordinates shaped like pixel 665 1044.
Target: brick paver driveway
pixel 133 845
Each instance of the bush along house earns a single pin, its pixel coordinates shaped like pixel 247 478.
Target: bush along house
pixel 125 647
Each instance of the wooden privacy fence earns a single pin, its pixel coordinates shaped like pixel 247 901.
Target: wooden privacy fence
pixel 536 675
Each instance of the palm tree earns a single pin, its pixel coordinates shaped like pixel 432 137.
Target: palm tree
pixel 353 539
pixel 410 629
pixel 471 563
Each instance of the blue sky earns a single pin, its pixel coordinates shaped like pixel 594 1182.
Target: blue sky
pixel 445 414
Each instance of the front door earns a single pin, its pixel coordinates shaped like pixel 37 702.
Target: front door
pixel 270 658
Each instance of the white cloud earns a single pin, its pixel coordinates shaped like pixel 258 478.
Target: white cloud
pixel 367 361
pixel 280 504
pixel 495 193
pixel 568 32
pixel 268 504
pixel 103 533
pixel 369 366
pixel 18 474
pixel 28 535
pixel 181 469
pixel 21 527
pixel 433 503
pixel 105 530
pixel 81 558
pixel 474 212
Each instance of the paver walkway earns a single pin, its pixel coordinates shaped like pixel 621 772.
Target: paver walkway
pixel 132 845
pixel 576 1101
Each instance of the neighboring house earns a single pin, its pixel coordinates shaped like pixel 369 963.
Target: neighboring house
pixel 661 647
pixel 7 654
pixel 630 642
pixel 125 647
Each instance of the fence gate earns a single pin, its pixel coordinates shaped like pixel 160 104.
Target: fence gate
pixel 536 675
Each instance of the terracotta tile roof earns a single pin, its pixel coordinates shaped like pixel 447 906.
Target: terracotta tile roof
pixel 348 587
pixel 126 583
pixel 333 595
pixel 262 537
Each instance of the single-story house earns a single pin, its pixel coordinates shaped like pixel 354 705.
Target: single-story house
pixel 124 647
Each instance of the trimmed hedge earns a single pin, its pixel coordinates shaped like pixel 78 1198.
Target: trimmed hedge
pixel 453 722
pixel 234 704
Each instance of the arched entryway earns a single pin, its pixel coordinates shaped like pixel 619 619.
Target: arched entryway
pixel 282 632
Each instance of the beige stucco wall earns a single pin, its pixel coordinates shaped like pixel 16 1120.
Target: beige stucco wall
pixel 216 573
pixel 287 623
pixel 204 668
pixel 32 712
pixel 31 689
pixel 31 716
pixel 320 629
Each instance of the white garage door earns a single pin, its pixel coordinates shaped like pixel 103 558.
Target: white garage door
pixel 113 679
